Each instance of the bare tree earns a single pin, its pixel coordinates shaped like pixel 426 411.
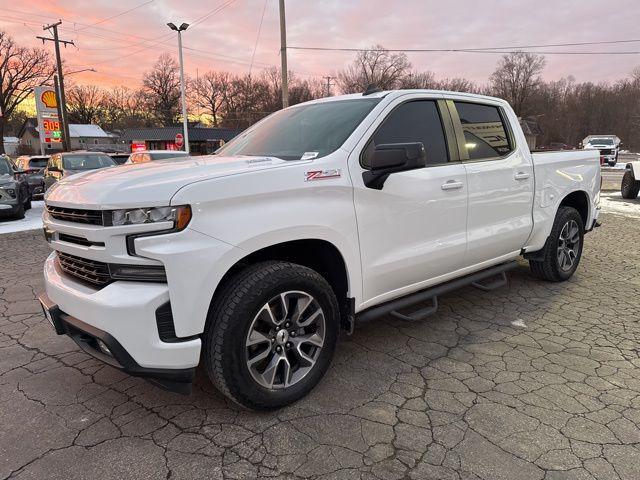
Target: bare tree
pixel 417 80
pixel 209 92
pixel 457 84
pixel 21 69
pixel 376 66
pixel 124 108
pixel 84 104
pixel 516 78
pixel 162 89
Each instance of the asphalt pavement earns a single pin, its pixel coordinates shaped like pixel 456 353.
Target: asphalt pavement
pixel 532 381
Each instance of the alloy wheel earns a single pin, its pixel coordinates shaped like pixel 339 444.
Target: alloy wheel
pixel 568 245
pixel 285 339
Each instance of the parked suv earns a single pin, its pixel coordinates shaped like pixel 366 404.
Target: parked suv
pixel 62 165
pixel 15 196
pixel 324 214
pixel 34 166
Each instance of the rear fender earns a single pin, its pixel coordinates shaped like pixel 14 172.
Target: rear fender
pixel 634 167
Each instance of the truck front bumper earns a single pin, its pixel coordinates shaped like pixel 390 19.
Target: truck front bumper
pixel 118 325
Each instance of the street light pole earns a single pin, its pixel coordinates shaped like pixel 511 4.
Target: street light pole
pixel 185 120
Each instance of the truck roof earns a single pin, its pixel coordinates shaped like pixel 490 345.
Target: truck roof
pixel 396 93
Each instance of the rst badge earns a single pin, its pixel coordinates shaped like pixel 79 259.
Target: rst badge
pixel 322 174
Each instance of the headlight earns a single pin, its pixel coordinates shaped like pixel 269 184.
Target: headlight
pixel 180 216
pixel 11 192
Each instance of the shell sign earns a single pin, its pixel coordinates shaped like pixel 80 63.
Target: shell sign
pixel 48 98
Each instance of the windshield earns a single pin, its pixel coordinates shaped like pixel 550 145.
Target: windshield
pixel 87 162
pixel 162 156
pixel 5 168
pixel 302 132
pixel 601 141
pixel 38 162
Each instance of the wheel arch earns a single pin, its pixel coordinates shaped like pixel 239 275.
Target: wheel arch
pixel 634 168
pixel 318 254
pixel 578 199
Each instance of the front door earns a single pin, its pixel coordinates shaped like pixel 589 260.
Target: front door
pixel 413 230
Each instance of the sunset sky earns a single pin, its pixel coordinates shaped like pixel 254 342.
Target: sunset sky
pixel 122 38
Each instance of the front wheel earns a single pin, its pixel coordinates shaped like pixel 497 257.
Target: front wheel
pixel 563 248
pixel 271 334
pixel 630 186
pixel 19 214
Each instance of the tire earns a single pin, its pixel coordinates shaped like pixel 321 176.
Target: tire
pixel 612 164
pixel 19 215
pixel 244 309
pixel 554 265
pixel 27 204
pixel 630 186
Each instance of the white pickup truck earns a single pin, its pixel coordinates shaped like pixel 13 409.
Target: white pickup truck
pixel 324 214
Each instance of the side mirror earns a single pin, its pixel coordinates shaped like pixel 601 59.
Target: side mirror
pixel 388 158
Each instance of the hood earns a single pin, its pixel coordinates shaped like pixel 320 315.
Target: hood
pixel 148 184
pixel 6 180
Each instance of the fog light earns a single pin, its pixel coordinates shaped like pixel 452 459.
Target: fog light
pixel 103 348
pixel 150 273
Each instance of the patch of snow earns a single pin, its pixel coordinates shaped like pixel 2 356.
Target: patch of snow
pixel 519 323
pixel 615 204
pixel 31 221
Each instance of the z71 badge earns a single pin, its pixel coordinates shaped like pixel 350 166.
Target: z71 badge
pixel 322 174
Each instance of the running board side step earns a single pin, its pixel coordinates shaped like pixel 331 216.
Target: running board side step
pixel 496 276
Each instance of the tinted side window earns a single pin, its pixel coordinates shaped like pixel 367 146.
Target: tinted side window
pixel 485 132
pixel 417 121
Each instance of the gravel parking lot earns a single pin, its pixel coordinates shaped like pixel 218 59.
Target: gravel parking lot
pixel 532 381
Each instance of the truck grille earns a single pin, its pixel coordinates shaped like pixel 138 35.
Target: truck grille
pixel 606 151
pixel 76 215
pixel 89 271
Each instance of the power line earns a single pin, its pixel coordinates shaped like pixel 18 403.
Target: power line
pixel 255 46
pixel 118 14
pixel 456 50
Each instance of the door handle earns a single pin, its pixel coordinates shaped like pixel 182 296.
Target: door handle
pixel 451 185
pixel 521 175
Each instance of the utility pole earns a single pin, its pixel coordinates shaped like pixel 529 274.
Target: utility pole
pixel 56 87
pixel 185 119
pixel 283 56
pixel 328 78
pixel 63 101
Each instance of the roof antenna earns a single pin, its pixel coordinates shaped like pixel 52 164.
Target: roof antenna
pixel 371 88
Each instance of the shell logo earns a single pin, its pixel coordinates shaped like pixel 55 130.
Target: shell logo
pixel 49 99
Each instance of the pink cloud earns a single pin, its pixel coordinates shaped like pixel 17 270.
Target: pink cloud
pixel 121 49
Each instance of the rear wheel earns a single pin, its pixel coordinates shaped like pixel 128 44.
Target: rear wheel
pixel 563 249
pixel 630 186
pixel 271 334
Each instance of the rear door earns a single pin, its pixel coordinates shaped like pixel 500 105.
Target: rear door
pixel 499 178
pixel 413 230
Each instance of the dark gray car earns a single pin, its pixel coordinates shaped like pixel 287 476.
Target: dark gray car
pixel 33 166
pixel 15 196
pixel 62 165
